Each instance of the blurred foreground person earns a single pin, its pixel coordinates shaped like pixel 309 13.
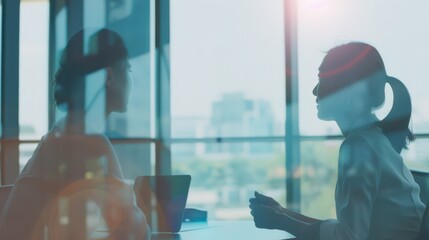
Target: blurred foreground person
pixel 73 186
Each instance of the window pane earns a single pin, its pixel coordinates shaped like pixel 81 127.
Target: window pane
pixel 136 159
pixel 33 69
pixel 131 20
pixel 224 176
pixel 1 34
pixel 325 24
pixel 319 161
pixel 417 154
pixel 25 152
pixel 227 73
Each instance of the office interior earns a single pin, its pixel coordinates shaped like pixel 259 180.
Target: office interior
pixel 222 89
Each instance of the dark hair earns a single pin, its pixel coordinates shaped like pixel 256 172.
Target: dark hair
pixel 105 49
pixel 356 61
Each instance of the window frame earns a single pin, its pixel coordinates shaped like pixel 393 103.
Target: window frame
pixel 9 164
pixel 160 61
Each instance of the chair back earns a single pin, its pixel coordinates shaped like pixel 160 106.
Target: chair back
pixel 424 228
pixel 4 194
pixel 422 179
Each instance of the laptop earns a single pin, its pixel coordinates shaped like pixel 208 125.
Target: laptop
pixel 163 200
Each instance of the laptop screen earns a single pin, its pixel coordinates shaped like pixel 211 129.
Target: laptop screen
pixel 163 200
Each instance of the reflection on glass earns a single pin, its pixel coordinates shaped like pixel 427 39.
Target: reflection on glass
pixel 224 176
pixel 227 74
pixel 33 69
pixel 74 177
pixel 129 18
pixel 136 159
pixel 319 160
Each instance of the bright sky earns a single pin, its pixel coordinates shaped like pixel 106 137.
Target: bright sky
pixel 226 46
pixel 396 28
pixel 220 46
pixel 33 90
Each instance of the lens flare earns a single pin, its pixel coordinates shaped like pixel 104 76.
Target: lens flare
pixel 315 3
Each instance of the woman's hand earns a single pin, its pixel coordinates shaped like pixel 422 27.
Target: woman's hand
pixel 265 216
pixel 266 211
pixel 261 199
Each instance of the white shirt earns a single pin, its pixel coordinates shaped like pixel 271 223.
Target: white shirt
pixel 376 195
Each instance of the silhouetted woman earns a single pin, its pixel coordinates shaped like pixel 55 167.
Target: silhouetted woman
pixel 376 196
pixel 73 186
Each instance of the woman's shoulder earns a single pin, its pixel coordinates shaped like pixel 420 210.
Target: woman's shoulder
pixel 68 133
pixel 359 148
pixel 365 137
pixel 358 139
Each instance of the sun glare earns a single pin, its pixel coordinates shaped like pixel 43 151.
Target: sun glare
pixel 312 4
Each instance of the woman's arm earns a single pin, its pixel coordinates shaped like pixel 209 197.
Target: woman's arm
pixel 299 216
pixel 269 218
pixel 268 213
pixel 270 202
pixel 123 218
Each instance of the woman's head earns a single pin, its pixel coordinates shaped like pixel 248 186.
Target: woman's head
pixel 352 79
pixel 104 50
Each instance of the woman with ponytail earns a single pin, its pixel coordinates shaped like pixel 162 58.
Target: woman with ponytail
pixel 376 195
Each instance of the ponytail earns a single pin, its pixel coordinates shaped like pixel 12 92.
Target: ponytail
pixel 395 124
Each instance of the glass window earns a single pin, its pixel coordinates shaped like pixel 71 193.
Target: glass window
pixel 131 20
pixel 1 64
pixel 33 69
pixel 417 156
pixel 403 46
pixel 225 175
pixel 319 161
pixel 25 152
pixel 136 159
pixel 227 68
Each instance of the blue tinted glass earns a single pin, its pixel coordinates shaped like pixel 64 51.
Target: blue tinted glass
pixel 318 175
pixel 417 154
pixel 136 159
pixel 33 69
pixel 25 153
pixel 131 20
pixel 225 176
pixel 227 73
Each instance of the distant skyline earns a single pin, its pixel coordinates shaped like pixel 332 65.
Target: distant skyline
pixel 234 46
pixel 234 115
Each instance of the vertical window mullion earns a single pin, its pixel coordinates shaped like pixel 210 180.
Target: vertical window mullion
pixel 292 142
pixel 162 77
pixel 10 92
pixel 54 6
